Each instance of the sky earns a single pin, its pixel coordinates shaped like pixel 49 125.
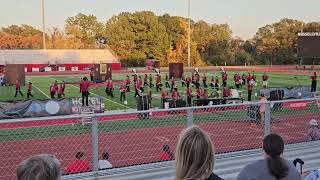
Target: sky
pixel 243 16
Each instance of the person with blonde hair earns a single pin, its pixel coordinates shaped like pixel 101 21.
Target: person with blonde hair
pixel 195 156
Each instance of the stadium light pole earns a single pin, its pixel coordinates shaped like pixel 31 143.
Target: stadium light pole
pixel 189 33
pixel 43 26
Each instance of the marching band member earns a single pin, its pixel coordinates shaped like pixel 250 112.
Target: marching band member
pixel 158 83
pixel 59 91
pixel 172 83
pixel 175 95
pixel 107 87
pixel 128 82
pixel 29 90
pixel 150 81
pixel 137 89
pixel 52 90
pixel 249 78
pixel 167 81
pixel 63 86
pixel 164 94
pixel 250 85
pixel 224 77
pixel 205 94
pixel 145 80
pixel 135 78
pixel 204 80
pixel 111 88
pixel 183 81
pixel 123 90
pixel 192 78
pixel 140 84
pixel 212 84
pixel 197 75
pixel 237 80
pixel 18 88
pixel 188 81
pixel 265 80
pixel 244 79
pixel 314 82
pixel 189 96
pixel 254 77
pixel 198 92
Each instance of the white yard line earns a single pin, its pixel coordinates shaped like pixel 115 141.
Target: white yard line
pixel 40 90
pixel 94 94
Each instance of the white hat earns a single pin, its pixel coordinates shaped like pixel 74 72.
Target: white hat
pixel 313 122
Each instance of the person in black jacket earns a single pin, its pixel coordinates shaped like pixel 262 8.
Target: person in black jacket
pixel 195 155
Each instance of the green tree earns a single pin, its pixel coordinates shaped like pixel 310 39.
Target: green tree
pixel 137 35
pixel 86 28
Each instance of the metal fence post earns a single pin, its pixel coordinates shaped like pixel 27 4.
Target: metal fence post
pixel 267 119
pixel 189 117
pixel 95 145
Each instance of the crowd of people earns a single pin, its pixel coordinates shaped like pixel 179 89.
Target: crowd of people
pixel 194 159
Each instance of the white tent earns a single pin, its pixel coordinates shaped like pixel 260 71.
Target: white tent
pixel 57 56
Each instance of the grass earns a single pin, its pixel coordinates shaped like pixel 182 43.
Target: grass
pixel 41 88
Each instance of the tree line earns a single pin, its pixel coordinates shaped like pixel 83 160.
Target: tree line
pixel 140 35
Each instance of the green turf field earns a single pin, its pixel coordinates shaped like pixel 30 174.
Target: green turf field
pixel 41 87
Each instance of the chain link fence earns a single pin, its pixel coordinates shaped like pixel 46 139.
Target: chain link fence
pixel 92 142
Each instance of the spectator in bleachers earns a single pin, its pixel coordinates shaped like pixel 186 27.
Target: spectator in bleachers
pixel 39 167
pixel 166 154
pixel 104 162
pixel 195 156
pixel 314 130
pixel 273 166
pixel 79 165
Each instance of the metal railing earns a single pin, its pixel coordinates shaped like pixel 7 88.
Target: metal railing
pixel 89 142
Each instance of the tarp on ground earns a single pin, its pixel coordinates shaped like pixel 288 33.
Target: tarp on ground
pixel 49 107
pixel 296 92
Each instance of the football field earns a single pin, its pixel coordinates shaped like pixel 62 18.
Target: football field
pixel 41 87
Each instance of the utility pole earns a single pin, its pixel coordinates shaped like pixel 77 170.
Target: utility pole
pixel 189 34
pixel 43 26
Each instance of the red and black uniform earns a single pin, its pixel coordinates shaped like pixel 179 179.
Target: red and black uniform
pixel 128 82
pixel 244 79
pixel 183 80
pixel 29 90
pixel 172 83
pixel 85 92
pixel 204 80
pixel 145 80
pixel 123 90
pixel 150 81
pixel 189 96
pixel 107 88
pixel 254 77
pixel 197 79
pixel 167 81
pixel 137 89
pixel 63 86
pixel 111 89
pixel 135 78
pixel 199 93
pixel 205 95
pixel 314 82
pixel 18 89
pixel 237 80
pixel 250 85
pixel 188 81
pixel 175 95
pixel 59 91
pixel 224 77
pixel 158 83
pixel 226 92
pixel 52 90
pixel 249 78
pixel 192 78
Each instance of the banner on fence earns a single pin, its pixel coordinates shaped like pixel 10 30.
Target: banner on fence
pixel 50 107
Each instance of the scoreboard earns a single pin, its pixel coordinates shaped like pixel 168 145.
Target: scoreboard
pixel 309 45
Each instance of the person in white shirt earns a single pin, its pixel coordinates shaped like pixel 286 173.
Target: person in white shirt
pixel 104 163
